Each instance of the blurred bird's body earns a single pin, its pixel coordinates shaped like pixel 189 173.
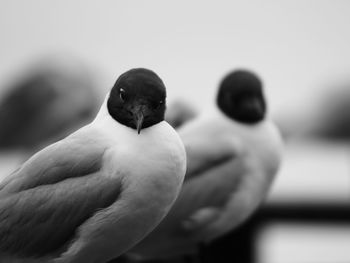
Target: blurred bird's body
pixel 230 167
pixel 45 105
pixel 96 193
pixel 49 101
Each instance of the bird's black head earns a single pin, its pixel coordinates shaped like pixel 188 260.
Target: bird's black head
pixel 137 99
pixel 241 97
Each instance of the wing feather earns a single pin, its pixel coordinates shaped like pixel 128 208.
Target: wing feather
pixel 71 157
pixel 44 201
pixel 40 221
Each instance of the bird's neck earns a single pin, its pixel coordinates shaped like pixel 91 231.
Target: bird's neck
pixel 103 112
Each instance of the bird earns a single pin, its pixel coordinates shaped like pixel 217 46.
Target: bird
pixel 43 104
pixel 46 103
pixel 93 195
pixel 233 154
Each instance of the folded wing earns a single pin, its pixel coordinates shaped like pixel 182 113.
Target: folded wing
pixel 44 202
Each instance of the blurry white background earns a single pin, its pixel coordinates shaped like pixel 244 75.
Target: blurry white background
pixel 294 45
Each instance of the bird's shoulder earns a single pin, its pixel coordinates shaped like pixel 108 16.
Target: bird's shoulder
pixel 213 133
pixel 262 146
pixel 210 128
pixel 208 143
pixel 168 138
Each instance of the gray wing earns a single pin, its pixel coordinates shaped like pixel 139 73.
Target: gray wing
pixel 50 196
pixel 71 157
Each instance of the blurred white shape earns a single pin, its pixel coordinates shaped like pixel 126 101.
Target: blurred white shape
pixel 303 243
pixel 313 172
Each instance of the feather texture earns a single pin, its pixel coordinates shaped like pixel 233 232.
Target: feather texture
pixel 44 202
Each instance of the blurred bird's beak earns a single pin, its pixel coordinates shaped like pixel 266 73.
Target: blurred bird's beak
pixel 254 105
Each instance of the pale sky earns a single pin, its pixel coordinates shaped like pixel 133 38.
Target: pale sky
pixel 295 46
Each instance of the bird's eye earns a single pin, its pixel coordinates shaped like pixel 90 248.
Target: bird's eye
pixel 122 94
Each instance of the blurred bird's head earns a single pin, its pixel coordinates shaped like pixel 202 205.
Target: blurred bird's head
pixel 45 103
pixel 137 99
pixel 241 97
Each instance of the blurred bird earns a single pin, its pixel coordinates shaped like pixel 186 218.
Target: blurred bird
pixel 233 154
pixel 48 103
pixel 93 195
pixel 179 112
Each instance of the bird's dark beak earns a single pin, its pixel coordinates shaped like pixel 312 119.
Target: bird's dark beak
pixel 254 105
pixel 139 113
pixel 254 108
pixel 139 120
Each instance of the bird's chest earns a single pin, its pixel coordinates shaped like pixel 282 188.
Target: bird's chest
pixel 141 156
pixel 149 164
